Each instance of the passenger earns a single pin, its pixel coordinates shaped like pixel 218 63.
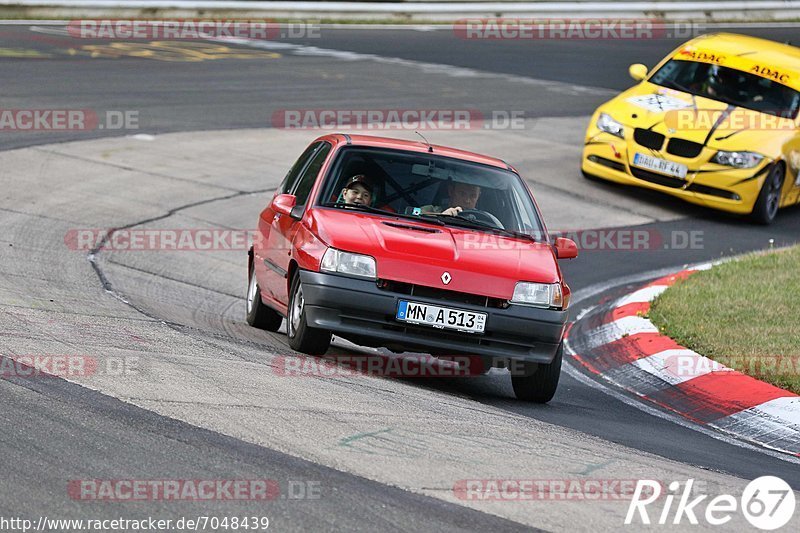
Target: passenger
pixel 359 190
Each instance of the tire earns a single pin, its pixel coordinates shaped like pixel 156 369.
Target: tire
pixel 302 337
pixel 259 315
pixel 540 381
pixel 766 207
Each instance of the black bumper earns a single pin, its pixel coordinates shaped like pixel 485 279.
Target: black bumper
pixel 361 312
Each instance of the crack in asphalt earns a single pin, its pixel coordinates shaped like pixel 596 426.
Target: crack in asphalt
pixel 169 278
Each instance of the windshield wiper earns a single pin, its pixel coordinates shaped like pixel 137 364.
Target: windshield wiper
pixel 370 209
pixel 477 224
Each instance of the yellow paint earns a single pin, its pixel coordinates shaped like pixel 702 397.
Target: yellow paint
pixel 23 53
pixel 693 119
pixel 189 51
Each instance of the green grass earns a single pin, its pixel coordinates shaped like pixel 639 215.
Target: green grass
pixel 744 314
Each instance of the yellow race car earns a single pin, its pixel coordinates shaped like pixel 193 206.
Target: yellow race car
pixel 715 123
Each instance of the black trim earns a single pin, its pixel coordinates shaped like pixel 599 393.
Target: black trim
pixel 275 268
pixel 357 310
pixel 713 191
pixel 724 115
pixel 754 176
pixel 658 179
pixel 684 148
pixel 648 138
pixel 616 165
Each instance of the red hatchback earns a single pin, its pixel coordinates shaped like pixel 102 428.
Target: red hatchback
pixel 413 247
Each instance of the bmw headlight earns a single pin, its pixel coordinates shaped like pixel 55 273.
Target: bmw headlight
pixel 737 159
pixel 609 125
pixel 538 294
pixel 339 262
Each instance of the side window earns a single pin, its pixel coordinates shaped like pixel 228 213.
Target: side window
pixel 309 177
pixel 291 178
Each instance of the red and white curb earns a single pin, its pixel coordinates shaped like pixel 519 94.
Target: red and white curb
pixel 618 344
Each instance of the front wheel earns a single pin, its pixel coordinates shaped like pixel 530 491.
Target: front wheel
pixel 302 337
pixel 540 381
pixel 766 207
pixel 259 315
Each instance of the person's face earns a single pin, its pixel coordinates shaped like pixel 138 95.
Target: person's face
pixel 357 194
pixel 464 196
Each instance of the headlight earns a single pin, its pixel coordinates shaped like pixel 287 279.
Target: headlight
pixel 538 294
pixel 737 159
pixel 362 266
pixel 609 125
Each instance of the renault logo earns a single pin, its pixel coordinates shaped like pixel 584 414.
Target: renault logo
pixel 446 277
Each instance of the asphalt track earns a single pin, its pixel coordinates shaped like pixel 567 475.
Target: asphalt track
pixel 54 430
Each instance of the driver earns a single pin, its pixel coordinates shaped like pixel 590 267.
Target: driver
pixel 461 196
pixel 726 83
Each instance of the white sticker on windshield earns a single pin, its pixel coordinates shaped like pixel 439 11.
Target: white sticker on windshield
pixel 659 103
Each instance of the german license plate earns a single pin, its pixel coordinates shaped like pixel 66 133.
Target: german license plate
pixel 441 317
pixel 670 168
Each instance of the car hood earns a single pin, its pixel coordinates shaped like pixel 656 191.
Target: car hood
pixel 414 252
pixel 698 119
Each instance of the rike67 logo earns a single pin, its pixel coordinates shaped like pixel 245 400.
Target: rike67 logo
pixel 767 503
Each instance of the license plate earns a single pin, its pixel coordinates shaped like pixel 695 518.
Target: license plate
pixel 670 168
pixel 441 317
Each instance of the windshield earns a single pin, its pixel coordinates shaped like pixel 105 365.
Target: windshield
pixel 429 187
pixel 731 86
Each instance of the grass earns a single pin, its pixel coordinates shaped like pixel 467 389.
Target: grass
pixel 744 314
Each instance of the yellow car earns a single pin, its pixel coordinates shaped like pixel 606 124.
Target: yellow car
pixel 715 123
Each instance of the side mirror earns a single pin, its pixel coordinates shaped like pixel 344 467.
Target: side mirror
pixel 284 203
pixel 637 71
pixel 566 248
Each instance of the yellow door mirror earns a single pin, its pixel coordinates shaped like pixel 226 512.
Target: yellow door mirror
pixel 637 71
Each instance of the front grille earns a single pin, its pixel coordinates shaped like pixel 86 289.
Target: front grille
pixel 658 179
pixel 648 138
pixel 713 191
pixel 684 148
pixel 422 291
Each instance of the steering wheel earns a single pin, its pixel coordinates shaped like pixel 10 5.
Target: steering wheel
pixel 481 216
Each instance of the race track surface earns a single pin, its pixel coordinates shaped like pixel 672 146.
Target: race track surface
pixel 203 396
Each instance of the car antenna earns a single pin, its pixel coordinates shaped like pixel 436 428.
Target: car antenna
pixel 430 148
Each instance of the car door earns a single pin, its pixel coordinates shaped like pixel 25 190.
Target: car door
pixel 265 272
pixel 277 254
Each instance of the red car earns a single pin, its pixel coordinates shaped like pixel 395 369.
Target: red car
pixel 413 247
